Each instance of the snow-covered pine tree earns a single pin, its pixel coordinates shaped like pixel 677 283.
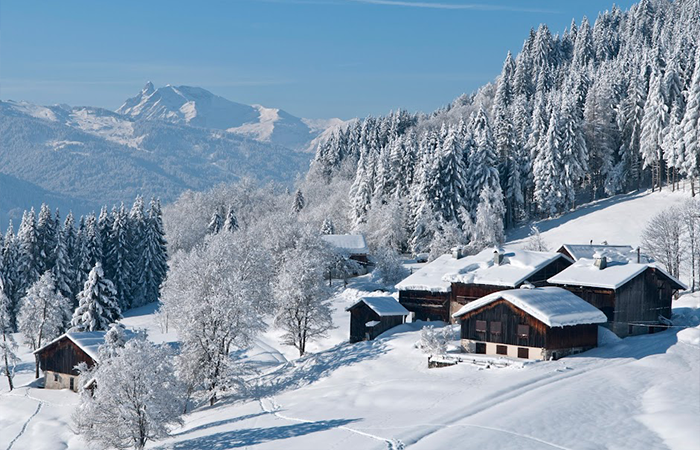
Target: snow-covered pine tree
pixel 43 314
pixel 137 239
pixel 299 201
pixel 104 227
pixel 121 269
pixel 690 126
pixel 231 223
pixel 90 248
pixel 155 254
pixel 216 223
pixel 8 346
pixel 572 145
pixel 653 123
pixel 62 271
pixel 97 303
pixel 548 167
pixel 29 253
pixel 46 234
pixel 327 226
pixel 483 160
pixel 488 226
pixel 452 181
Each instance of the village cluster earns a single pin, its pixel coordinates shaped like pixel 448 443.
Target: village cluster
pixel 508 302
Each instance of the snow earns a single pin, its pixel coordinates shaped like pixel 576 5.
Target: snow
pixel 553 306
pixel 372 323
pixel 353 243
pixel 615 275
pixel 383 306
pixel 620 253
pixel 516 267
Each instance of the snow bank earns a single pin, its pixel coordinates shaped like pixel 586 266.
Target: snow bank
pixel 553 306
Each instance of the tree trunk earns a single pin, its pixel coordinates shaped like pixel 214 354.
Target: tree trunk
pixel 7 363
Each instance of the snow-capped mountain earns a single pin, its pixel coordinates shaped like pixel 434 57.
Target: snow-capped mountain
pixel 198 107
pixel 101 156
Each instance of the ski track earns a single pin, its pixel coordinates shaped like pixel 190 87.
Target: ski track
pixel 24 427
pixel 512 394
pixel 392 444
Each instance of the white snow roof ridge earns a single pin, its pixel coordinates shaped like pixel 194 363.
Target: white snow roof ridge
pixel 553 306
pixel 353 243
pixel 384 306
pixel 518 266
pixel 584 273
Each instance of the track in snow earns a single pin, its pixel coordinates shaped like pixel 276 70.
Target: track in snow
pixel 24 427
pixel 392 444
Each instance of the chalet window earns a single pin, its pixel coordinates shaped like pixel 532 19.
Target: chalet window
pixel 501 349
pixel 481 326
pixel 481 348
pixel 523 353
pixel 496 328
pixel 523 331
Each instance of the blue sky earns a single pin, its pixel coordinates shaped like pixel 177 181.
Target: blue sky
pixel 313 58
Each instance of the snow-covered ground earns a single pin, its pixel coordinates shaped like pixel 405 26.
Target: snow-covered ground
pixel 641 392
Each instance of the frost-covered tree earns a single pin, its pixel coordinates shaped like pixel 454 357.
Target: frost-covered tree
pixel 327 226
pixel 97 303
pixel 535 241
pixel 304 311
pixel 548 169
pixel 43 314
pixel 115 339
pixel 488 227
pixel 690 127
pixel 137 241
pixel 118 255
pixel 663 238
pixel 136 398
pixel 155 254
pixel 435 341
pixel 653 123
pixel 46 235
pixel 231 223
pixel 29 252
pixel 8 346
pixel 216 298
pixel 90 248
pixel 389 268
pixel 299 201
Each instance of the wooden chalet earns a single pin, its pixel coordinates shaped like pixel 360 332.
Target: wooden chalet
pixel 59 358
pixel 442 287
pixel 530 323
pixel 635 297
pixel 353 246
pixel 372 316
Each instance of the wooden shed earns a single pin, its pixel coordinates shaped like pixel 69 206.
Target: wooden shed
pixel 59 357
pixel 441 288
pixel 353 246
pixel 371 316
pixel 535 323
pixel 636 298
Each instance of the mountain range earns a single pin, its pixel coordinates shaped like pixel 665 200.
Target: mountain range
pixel 158 143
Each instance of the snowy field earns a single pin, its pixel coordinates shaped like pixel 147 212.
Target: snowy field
pixel 638 393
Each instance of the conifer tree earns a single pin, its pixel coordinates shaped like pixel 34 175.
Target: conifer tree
pixel 97 303
pixel 231 223
pixel 154 254
pixel 120 264
pixel 137 239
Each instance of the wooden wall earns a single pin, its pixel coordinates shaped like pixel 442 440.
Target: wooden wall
pixel 361 314
pixel 642 300
pixel 63 356
pixel 540 335
pixel 426 305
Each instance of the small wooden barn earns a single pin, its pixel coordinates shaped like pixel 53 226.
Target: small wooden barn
pixel 534 323
pixel 636 298
pixel 371 316
pixel 442 287
pixel 59 357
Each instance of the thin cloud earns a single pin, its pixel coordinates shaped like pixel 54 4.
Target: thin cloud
pixel 453 6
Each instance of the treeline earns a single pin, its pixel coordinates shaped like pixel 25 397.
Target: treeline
pixel 124 249
pixel 597 111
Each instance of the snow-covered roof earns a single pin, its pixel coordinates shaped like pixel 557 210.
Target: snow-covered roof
pixel 352 243
pixel 619 253
pixel 516 267
pixel 584 273
pixel 383 306
pixel 87 341
pixel 553 306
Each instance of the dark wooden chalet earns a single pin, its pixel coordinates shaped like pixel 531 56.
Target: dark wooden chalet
pixel 635 298
pixel 59 358
pixel 371 316
pixel 353 246
pixel 441 288
pixel 534 323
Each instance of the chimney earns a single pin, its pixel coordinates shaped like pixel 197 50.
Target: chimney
pixel 458 252
pixel 600 261
pixel 497 257
pixel 639 256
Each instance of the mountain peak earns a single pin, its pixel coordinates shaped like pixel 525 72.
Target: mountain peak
pixel 148 89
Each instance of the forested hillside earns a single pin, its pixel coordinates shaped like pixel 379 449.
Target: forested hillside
pixel 601 109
